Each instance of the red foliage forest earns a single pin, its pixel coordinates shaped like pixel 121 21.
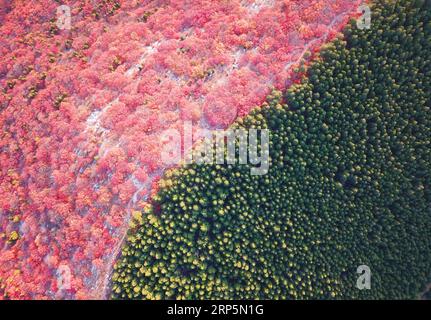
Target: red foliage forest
pixel 82 110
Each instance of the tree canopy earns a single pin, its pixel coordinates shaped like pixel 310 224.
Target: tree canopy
pixel 349 184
